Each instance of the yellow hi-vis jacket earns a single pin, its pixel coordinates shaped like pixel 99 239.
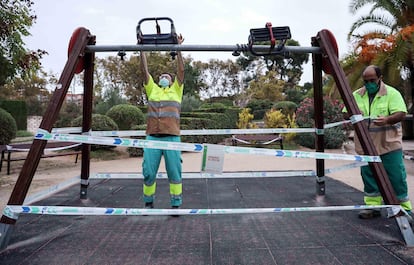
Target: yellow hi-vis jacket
pixel 387 101
pixel 164 107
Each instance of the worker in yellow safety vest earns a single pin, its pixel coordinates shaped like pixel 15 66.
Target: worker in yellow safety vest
pixel 163 124
pixel 383 108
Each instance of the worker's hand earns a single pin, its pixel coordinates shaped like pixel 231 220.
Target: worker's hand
pixel 381 121
pixel 180 39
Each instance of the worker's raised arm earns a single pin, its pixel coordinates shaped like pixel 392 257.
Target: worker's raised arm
pixel 144 67
pixel 180 63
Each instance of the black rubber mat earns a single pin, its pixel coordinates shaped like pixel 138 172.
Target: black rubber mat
pixel 331 237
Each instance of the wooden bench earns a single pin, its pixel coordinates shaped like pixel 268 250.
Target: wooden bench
pixel 257 139
pixel 50 146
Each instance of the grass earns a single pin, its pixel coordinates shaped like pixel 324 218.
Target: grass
pixel 108 154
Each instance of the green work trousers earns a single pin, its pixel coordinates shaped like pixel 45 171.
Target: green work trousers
pixel 151 163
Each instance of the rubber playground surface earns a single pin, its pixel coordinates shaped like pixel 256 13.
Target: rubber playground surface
pixel 311 237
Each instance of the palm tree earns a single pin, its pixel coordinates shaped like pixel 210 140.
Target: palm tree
pixel 389 44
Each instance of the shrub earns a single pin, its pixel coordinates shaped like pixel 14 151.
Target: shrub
pixel 275 119
pixel 287 107
pixel 259 107
pixel 332 112
pixel 190 103
pixel 215 105
pixel 126 116
pixel 99 123
pixel 245 120
pixel 18 110
pixel 8 127
pixel 68 112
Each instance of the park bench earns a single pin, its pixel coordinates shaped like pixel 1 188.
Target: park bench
pixel 257 139
pixel 66 148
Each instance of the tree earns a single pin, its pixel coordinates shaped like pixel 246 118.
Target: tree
pixel 16 18
pixel 289 66
pixel 389 45
pixel 267 86
pixel 219 78
pixel 31 89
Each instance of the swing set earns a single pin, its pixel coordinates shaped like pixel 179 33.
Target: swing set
pixel 261 42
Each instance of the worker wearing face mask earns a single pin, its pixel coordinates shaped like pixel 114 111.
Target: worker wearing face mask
pixel 163 124
pixel 385 108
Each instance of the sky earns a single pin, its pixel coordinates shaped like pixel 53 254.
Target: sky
pixel 201 22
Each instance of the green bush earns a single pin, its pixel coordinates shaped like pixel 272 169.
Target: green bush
pixel 190 103
pixel 99 123
pixel 332 112
pixel 18 110
pixel 67 114
pixel 259 107
pixel 8 127
pixel 287 107
pixel 126 116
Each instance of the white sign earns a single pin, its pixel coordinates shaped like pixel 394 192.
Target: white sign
pixel 213 159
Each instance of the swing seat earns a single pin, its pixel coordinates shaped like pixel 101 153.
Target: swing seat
pixel 158 38
pixel 276 36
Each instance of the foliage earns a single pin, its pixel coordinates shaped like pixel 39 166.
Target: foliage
pixel 112 97
pixel 18 110
pixel 267 86
pixel 275 118
pixel 8 127
pixel 215 105
pixel 259 107
pixel 16 19
pixel 192 80
pixel 245 120
pixel 99 123
pixel 126 116
pixel 221 78
pixel 23 133
pixel 388 43
pixel 332 112
pixel 190 103
pixel 32 90
pixel 297 93
pixel 198 123
pixel 68 112
pixel 291 123
pixel 289 66
pixel 287 107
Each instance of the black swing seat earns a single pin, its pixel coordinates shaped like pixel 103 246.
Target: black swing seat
pixel 276 36
pixel 158 38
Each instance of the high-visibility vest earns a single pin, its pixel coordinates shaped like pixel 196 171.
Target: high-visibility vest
pixel 387 101
pixel 164 107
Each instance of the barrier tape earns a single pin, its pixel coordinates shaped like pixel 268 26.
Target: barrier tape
pixel 200 132
pixel 193 147
pixel 13 210
pixel 233 174
pixel 198 175
pixel 11 148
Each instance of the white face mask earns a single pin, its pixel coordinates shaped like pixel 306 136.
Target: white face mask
pixel 164 82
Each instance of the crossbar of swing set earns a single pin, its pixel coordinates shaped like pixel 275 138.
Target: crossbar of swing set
pixel 201 48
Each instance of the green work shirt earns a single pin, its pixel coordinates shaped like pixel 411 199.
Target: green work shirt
pixel 387 101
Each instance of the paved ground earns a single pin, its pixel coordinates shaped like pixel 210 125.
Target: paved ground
pixel 334 237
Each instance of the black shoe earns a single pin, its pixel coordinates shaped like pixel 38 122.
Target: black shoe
pixel 369 213
pixel 149 205
pixel 175 207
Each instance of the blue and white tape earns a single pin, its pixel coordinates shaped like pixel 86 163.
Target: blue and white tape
pixel 194 147
pixel 13 210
